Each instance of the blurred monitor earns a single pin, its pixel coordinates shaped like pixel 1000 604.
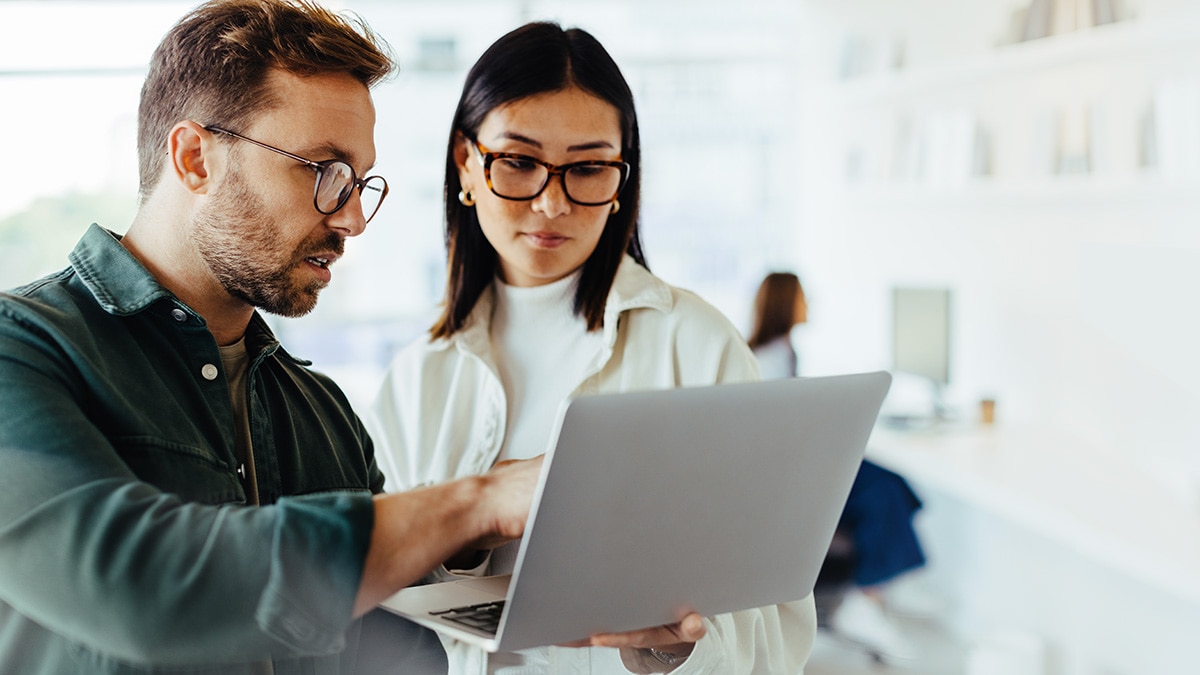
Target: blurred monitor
pixel 921 335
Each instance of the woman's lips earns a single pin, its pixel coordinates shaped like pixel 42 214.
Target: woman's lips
pixel 545 239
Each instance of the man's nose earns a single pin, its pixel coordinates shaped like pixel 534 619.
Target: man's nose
pixel 349 220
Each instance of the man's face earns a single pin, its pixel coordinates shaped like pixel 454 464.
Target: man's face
pixel 258 231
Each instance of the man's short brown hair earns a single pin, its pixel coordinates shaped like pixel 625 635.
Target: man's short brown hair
pixel 212 66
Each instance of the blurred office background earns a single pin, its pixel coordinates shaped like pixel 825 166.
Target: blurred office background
pixel 1038 159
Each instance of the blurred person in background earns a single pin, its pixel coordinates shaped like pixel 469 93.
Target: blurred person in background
pixel 875 535
pixel 548 297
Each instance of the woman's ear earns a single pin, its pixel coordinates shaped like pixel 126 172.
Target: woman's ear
pixel 190 154
pixel 462 157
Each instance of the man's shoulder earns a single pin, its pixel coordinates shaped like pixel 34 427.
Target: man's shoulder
pixel 47 283
pixel 49 299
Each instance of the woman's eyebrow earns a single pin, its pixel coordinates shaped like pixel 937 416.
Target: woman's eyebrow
pixel 514 136
pixel 590 145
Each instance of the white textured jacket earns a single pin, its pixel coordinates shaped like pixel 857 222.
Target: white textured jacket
pixel 441 415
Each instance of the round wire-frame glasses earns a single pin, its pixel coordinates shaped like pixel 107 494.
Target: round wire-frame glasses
pixel 335 180
pixel 518 177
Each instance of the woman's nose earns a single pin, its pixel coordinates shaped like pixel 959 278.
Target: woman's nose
pixel 553 201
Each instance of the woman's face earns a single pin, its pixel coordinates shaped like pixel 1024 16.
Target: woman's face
pixel 800 313
pixel 542 240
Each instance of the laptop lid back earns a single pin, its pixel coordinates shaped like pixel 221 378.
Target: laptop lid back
pixel 712 499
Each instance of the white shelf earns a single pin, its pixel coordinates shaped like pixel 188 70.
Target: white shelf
pixel 1089 91
pixel 1094 190
pixel 1109 42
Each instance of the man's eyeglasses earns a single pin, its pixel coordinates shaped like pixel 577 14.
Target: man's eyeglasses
pixel 335 180
pixel 521 177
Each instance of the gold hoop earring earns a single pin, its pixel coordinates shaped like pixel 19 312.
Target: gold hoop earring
pixel 616 206
pixel 466 197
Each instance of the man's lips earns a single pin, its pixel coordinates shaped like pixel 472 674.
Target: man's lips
pixel 321 261
pixel 319 264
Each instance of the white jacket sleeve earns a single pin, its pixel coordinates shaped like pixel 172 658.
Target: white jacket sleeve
pixel 403 449
pixel 773 640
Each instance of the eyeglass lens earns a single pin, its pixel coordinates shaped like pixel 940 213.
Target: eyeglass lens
pixel 591 184
pixel 336 183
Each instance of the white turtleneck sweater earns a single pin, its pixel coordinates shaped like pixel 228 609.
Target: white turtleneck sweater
pixel 543 351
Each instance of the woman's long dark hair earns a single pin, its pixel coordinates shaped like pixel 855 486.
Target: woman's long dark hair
pixel 534 59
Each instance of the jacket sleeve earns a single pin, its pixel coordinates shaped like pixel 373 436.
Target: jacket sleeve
pixel 92 554
pixel 766 640
pixel 418 440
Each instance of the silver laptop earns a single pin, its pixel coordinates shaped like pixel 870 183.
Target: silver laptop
pixel 652 504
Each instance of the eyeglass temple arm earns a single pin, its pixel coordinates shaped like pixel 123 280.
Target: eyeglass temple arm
pixel 285 153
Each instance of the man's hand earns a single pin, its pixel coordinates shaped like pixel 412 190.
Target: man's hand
pixel 417 530
pixel 508 494
pixel 513 476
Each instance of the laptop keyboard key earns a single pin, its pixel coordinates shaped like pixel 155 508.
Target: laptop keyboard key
pixel 483 617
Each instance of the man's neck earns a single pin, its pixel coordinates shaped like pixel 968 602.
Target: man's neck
pixel 162 246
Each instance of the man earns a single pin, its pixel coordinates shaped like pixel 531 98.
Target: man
pixel 178 493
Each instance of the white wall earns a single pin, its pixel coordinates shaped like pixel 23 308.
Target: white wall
pixel 1073 293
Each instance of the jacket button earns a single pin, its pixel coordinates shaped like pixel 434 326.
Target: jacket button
pixel 209 372
pixel 179 315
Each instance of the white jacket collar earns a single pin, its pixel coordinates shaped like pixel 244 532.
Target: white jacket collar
pixel 635 287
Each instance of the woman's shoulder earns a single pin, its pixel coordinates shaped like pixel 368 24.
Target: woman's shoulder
pixel 776 358
pixel 685 330
pixel 691 310
pixel 636 289
pixel 421 352
pixel 777 344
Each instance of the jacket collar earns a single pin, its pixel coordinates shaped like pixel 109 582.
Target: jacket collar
pixel 118 282
pixel 122 286
pixel 634 287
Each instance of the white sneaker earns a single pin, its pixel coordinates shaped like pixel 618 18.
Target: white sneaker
pixel 861 620
pixel 911 599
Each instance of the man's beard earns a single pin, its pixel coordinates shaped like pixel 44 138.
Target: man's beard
pixel 240 244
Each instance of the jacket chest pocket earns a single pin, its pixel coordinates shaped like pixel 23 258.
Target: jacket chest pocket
pixel 194 473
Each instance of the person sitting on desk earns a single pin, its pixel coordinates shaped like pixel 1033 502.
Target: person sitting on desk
pixel 876 523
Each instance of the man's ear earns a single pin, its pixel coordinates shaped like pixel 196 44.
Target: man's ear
pixel 191 156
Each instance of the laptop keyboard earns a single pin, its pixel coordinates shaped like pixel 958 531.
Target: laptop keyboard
pixel 483 617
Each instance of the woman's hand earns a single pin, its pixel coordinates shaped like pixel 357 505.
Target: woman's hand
pixel 677 639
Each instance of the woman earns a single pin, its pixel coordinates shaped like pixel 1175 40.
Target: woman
pixel 779 306
pixel 876 524
pixel 548 297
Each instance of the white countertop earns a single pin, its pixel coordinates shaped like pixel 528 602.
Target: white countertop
pixel 1103 505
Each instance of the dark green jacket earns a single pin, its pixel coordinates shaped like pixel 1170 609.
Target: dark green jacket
pixel 126 545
